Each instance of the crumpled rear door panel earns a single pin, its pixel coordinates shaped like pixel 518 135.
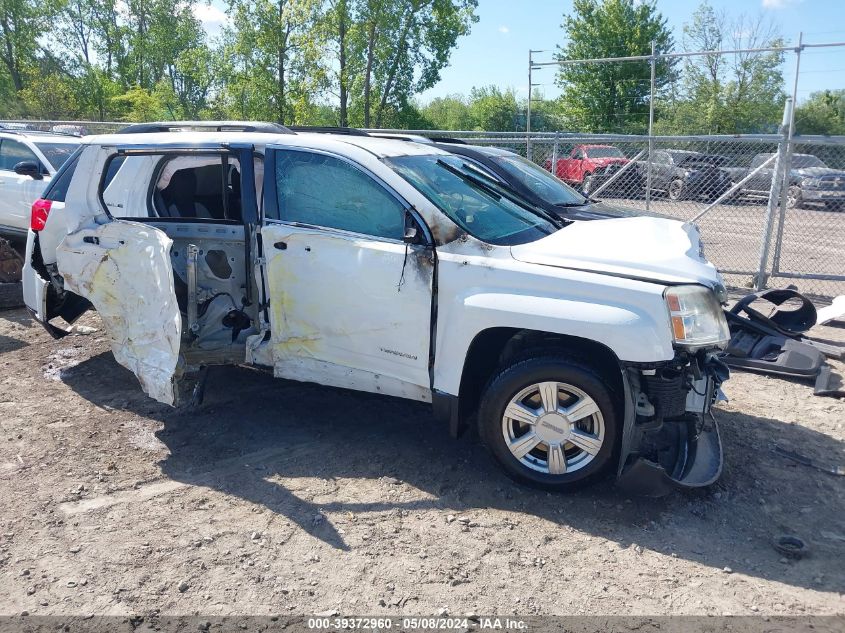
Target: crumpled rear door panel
pixel 124 269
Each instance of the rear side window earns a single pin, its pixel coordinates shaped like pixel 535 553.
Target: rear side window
pixel 56 153
pixel 57 190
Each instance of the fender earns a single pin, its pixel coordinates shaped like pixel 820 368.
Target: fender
pixel 626 316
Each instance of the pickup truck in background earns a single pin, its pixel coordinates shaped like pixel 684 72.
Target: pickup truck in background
pixel 587 166
pixel 686 175
pixel 810 180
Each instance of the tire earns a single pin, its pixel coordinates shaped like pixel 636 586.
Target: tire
pixel 599 433
pixel 794 198
pixel 587 183
pixel 676 189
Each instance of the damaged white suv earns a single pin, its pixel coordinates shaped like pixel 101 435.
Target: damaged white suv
pixel 583 348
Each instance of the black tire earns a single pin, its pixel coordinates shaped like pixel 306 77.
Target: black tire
pixel 521 374
pixel 676 189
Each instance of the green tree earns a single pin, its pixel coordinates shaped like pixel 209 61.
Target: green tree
pixel 406 44
pixel 22 23
pixel 493 109
pixel 822 113
pixel 726 94
pixel 451 112
pixel 611 97
pixel 271 55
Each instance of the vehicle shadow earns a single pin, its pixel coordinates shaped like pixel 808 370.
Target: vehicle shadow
pixel 276 429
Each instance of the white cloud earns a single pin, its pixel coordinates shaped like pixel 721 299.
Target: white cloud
pixel 778 4
pixel 209 14
pixel 504 29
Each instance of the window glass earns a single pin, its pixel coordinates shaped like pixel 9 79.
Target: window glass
pixel 602 151
pixel 57 190
pixel 539 181
pixel 320 190
pixel 56 153
pixel 477 209
pixel 13 152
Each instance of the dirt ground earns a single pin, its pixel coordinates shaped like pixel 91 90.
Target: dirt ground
pixel 277 497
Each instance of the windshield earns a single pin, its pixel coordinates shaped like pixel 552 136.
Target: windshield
pixel 539 181
pixel 478 209
pixel 56 153
pixel 800 161
pixel 605 152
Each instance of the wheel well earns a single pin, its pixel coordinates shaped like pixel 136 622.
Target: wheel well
pixel 492 348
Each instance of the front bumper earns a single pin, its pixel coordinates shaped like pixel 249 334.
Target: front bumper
pixel 671 438
pixel 823 195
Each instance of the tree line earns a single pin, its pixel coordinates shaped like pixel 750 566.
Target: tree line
pixel 364 63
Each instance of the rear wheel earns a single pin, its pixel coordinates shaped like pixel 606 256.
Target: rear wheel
pixel 551 422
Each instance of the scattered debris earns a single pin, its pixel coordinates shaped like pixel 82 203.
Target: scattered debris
pixel 806 461
pixel 790 546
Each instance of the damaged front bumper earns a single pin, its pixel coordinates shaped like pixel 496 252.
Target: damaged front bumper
pixel 671 438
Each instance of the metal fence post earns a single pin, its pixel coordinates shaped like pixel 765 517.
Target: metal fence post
pixel 554 154
pixel 778 175
pixel 650 130
pixel 528 108
pixel 788 166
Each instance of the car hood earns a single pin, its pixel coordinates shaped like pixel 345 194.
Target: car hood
pixel 815 172
pixel 651 249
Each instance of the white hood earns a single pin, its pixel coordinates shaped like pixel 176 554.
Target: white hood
pixel 653 249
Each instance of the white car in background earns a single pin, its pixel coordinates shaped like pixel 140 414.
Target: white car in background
pixel 28 161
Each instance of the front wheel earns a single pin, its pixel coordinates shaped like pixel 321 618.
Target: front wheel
pixel 794 199
pixel 551 422
pixel 676 189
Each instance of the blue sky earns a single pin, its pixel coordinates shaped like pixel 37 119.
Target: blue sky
pixel 496 51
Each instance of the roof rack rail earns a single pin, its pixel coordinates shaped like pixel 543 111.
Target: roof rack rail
pixel 447 139
pixel 210 126
pixel 328 129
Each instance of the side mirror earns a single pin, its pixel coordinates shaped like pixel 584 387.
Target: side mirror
pixel 29 168
pixel 412 230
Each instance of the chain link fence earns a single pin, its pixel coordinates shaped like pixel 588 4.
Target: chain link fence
pixel 771 212
pixel 760 229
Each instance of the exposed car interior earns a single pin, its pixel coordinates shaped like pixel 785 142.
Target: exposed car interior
pixel 197 202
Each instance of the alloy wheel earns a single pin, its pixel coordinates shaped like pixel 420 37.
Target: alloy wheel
pixel 553 428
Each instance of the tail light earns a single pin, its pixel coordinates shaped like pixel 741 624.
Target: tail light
pixel 40 211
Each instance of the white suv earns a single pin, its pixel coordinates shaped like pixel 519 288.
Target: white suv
pixel 28 160
pixel 386 266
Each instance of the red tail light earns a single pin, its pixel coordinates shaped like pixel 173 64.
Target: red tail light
pixel 40 211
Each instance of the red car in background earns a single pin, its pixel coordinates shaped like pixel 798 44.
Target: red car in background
pixel 588 165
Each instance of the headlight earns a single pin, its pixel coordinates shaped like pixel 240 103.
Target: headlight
pixel 696 317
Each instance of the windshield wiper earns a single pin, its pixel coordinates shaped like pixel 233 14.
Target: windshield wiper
pixel 494 189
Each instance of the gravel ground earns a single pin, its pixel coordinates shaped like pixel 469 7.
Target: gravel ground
pixel 277 497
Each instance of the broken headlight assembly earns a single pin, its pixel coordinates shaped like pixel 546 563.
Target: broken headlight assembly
pixel 696 317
